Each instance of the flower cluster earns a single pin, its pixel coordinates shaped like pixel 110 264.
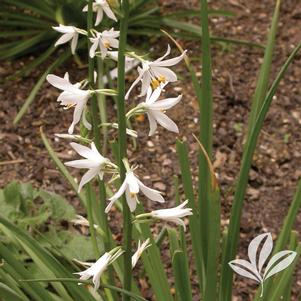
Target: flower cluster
pixel 153 76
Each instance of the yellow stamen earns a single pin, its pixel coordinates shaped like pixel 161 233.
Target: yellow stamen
pixel 106 44
pixel 162 79
pixel 155 84
pixel 69 106
pixel 132 194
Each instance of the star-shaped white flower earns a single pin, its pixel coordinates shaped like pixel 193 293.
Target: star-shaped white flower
pixel 173 215
pixel 155 110
pixel 105 41
pixel 69 33
pixel 156 72
pixel 94 162
pixel 96 269
pixel 101 6
pixel 141 248
pixel 131 186
pixel 72 96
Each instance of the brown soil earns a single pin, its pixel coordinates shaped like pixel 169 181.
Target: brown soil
pixel 276 167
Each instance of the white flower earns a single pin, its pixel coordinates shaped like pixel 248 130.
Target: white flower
pixel 173 215
pixel 96 270
pixel 155 110
pixel 69 33
pixel 94 162
pixel 105 41
pixel 131 187
pixel 141 248
pixel 100 6
pixel 72 96
pixel 154 73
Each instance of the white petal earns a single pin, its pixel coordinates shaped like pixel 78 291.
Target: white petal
pixel 167 73
pixel 85 9
pixel 99 16
pixel 74 43
pixel 58 82
pixel 83 163
pixel 152 194
pixel 132 182
pixel 165 104
pixel 64 39
pixel 165 121
pixel 88 176
pixel 148 95
pixel 152 124
pixel 93 48
pixel 86 123
pixel 109 12
pixel 146 81
pixel 131 200
pixel 78 113
pixel 154 96
pixel 135 83
pixel 116 196
pixel 83 151
pixel 114 43
pixel 170 62
pixel 64 29
pixel 164 56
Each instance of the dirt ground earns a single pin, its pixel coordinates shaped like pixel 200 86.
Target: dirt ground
pixel 277 163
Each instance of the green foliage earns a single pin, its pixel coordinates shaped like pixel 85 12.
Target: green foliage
pixel 41 213
pixel 29 207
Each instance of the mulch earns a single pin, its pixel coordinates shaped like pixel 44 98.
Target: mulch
pixel 277 163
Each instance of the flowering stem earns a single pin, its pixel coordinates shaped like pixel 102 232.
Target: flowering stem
pixel 127 223
pixel 90 199
pixel 102 104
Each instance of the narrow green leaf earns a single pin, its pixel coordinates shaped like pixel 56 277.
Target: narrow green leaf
pixel 264 75
pixel 114 288
pixel 8 294
pixel 180 268
pixel 194 224
pixel 205 130
pixel 214 246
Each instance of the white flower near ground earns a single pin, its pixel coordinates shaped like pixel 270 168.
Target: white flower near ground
pixel 72 96
pixel 141 248
pixel 155 110
pixel 253 269
pixel 100 7
pixel 94 162
pixel 96 269
pixel 173 215
pixel 131 187
pixel 153 73
pixel 69 33
pixel 105 41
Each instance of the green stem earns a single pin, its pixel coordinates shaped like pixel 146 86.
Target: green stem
pixel 102 104
pixel 206 108
pixel 91 221
pixel 127 222
pixel 95 131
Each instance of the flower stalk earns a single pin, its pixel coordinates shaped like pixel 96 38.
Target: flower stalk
pixel 127 220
